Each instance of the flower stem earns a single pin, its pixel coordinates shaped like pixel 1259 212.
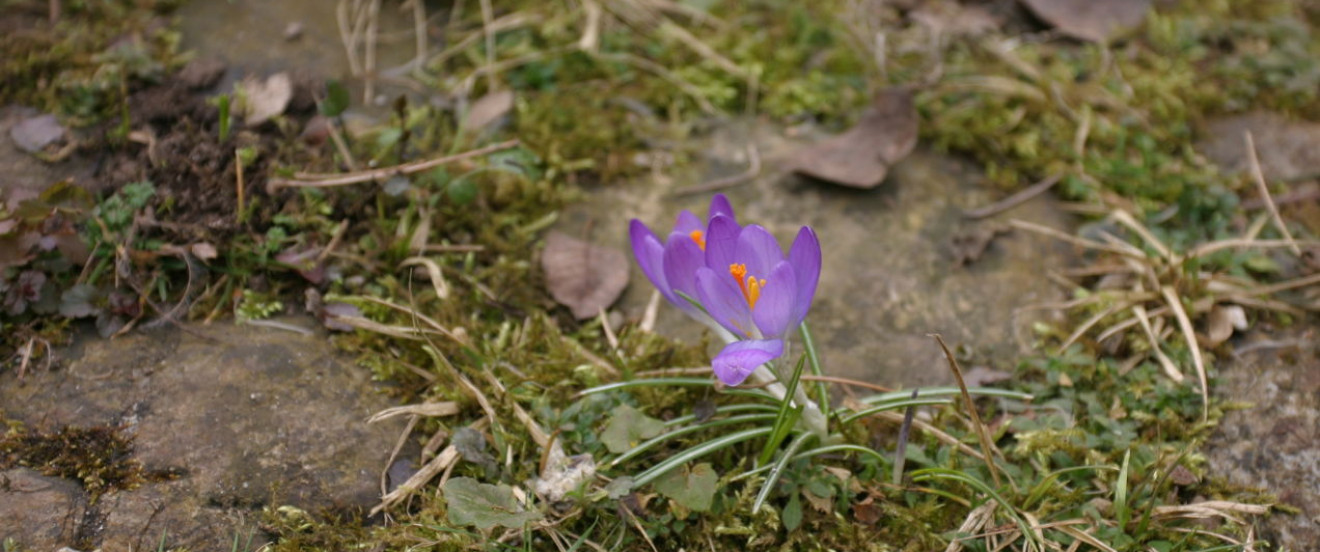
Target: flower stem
pixel 812 417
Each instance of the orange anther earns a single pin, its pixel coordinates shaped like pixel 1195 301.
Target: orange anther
pixel 751 287
pixel 699 237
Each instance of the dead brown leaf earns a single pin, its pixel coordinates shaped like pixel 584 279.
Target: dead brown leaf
pixel 486 110
pixel 582 276
pixel 1089 19
pixel 1289 150
pixel 266 98
pixel 955 19
pixel 861 157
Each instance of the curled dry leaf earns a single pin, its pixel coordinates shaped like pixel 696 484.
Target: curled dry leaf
pixel 266 98
pixel 1089 19
pixel 861 157
pixel 1221 322
pixel 582 276
pixel 486 110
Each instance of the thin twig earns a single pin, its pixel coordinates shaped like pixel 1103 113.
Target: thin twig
pixel 753 169
pixel 1264 190
pixel 240 187
pixel 487 14
pixel 1014 200
pixel 381 174
pixel 846 381
pixel 419 31
pixel 369 63
pixel 1080 242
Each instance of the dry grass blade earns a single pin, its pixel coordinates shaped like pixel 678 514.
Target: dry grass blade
pixel 973 523
pixel 433 270
pixel 652 311
pixel 446 408
pixel 981 432
pixel 1185 323
pixel 935 432
pixel 1089 323
pixel 455 334
pixel 1085 537
pixel 1169 368
pixel 324 181
pixel 590 356
pixel 1080 242
pixel 1264 190
pixel 1221 245
pixel 1122 217
pixel 440 463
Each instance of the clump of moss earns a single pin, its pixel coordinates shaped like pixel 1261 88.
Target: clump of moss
pixel 99 457
pixel 82 65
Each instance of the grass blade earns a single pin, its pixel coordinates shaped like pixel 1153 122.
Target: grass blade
pixel 778 469
pixel 697 452
pixel 652 442
pixel 787 418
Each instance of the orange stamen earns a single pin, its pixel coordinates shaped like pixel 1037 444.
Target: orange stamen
pixel 699 237
pixel 751 287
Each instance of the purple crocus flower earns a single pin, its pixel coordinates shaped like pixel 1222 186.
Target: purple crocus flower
pixel 672 264
pixel 740 277
pixel 750 288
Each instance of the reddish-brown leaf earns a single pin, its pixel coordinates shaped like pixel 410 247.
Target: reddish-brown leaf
pixel 861 157
pixel 1096 21
pixel 582 276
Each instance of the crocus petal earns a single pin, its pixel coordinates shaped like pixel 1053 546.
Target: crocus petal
pixel 759 250
pixel 650 254
pixel 682 258
pixel 719 205
pixel 774 310
pixel 721 242
pixel 724 301
pixel 740 358
pixel 804 255
pixel 688 222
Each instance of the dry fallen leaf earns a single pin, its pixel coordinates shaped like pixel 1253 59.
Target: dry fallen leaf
pixel 1089 19
pixel 487 109
pixel 1289 150
pixel 266 98
pixel 584 277
pixel 955 19
pixel 861 157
